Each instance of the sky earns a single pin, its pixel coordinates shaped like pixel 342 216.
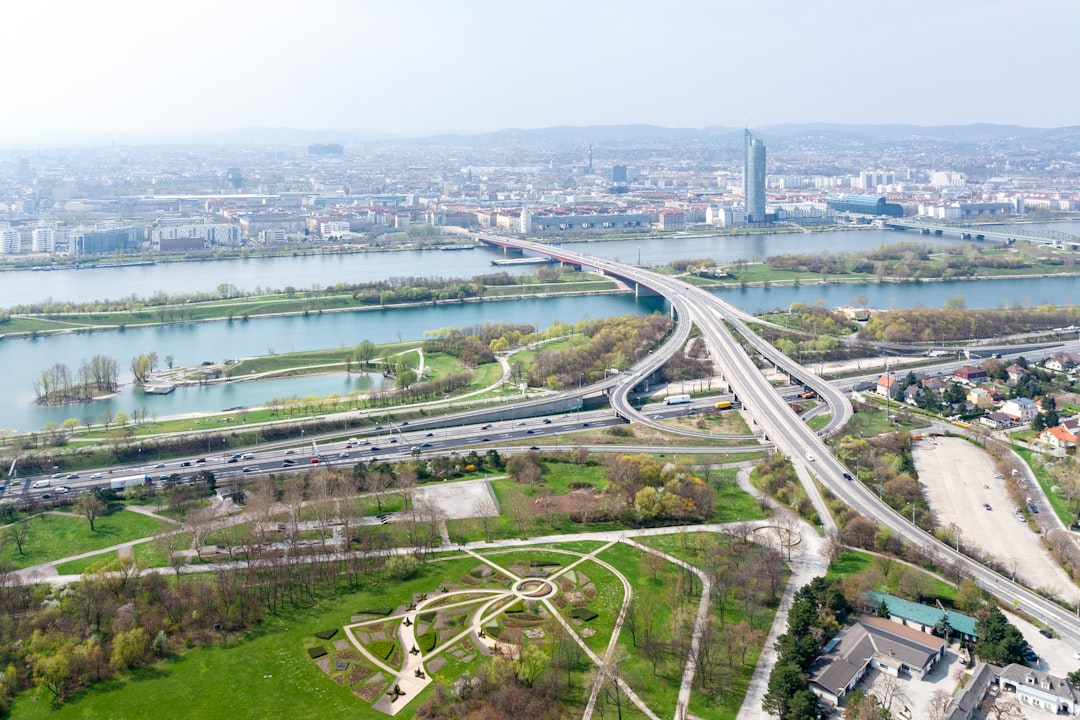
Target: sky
pixel 121 68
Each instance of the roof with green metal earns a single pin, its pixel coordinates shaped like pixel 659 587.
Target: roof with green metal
pixel 923 614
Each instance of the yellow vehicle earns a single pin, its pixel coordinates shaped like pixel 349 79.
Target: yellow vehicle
pixel 722 405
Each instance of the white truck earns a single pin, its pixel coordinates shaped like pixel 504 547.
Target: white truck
pixel 119 483
pixel 677 400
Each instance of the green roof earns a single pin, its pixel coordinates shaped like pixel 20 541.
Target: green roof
pixel 927 615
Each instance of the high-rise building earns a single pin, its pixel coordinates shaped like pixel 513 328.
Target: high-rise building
pixel 754 179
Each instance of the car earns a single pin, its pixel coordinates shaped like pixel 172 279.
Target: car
pixel 186 463
pixel 485 427
pixel 63 489
pixel 248 468
pixel 159 465
pixel 200 461
pixel 57 476
pixel 584 424
pixel 1046 633
pixel 290 452
pixel 95 476
pixel 430 435
pixel 163 478
pixel 352 441
pixel 530 431
pixel 233 459
pixel 547 421
pixel 343 455
pixel 987 506
pixel 378 427
pixel 520 424
pixel 1034 509
pixel 1021 518
pixel 393 440
pixel 533 447
pixel 486 440
pixel 374 448
pixel 247 456
pixel 403 423
pixel 45 496
pixel 349 446
pixel 1076 655
pixel 315 461
pixel 73 476
pixel 810 457
pixel 287 462
pixel 424 445
pixel 847 476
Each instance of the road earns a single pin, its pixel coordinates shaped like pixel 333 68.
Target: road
pixel 718 322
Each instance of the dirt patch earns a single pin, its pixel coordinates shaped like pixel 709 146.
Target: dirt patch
pixel 324 664
pixel 436 664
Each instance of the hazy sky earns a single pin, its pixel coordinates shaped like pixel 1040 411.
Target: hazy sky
pixel 115 68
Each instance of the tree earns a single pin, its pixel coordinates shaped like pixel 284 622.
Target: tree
pixel 90 507
pixel 785 680
pixel 17 533
pixel 999 641
pixel 129 648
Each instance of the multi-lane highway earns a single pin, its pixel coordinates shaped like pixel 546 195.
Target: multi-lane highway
pixel 717 321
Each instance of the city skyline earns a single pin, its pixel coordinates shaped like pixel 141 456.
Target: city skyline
pixel 122 70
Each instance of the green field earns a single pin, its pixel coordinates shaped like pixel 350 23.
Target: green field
pixel 52 537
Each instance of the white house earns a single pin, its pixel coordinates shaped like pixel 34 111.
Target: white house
pixel 1021 409
pixel 1034 687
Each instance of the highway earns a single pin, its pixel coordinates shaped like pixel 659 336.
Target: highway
pixel 781 426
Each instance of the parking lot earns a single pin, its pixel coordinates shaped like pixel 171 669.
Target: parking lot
pixel 958 480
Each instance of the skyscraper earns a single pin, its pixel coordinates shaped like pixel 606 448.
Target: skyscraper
pixel 754 179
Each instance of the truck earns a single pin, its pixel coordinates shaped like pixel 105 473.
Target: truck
pixel 677 400
pixel 809 394
pixel 722 405
pixel 119 483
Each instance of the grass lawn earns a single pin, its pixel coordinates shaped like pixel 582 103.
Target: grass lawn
pixel 853 562
pixel 264 673
pixel 1046 482
pixel 52 537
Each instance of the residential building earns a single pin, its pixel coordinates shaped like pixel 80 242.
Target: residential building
pixel 1042 690
pixel 997 420
pixel 754 178
pixel 970 374
pixel 1021 409
pixel 872 642
pixel 1062 362
pixel 1058 437
pixel 885 385
pixel 672 220
pixel 980 397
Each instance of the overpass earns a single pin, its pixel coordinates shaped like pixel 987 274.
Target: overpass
pixel 1011 233
pixel 719 323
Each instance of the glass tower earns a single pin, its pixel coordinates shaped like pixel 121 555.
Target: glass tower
pixel 754 179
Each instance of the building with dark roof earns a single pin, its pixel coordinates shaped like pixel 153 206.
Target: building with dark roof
pixel 866 205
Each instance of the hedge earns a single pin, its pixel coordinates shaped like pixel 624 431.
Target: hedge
pixel 326 634
pixel 382 649
pixel 426 642
pixel 316 652
pixel 377 611
pixel 584 614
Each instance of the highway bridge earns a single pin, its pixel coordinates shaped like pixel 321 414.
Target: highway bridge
pixel 1010 233
pixel 718 323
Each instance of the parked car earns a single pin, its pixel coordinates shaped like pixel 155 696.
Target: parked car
pixel 1046 633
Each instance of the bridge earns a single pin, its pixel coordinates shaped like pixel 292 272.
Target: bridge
pixel 719 323
pixel 1011 233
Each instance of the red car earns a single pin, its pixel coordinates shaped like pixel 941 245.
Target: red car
pixel 315 461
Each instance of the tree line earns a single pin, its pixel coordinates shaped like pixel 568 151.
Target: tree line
pixel 60 384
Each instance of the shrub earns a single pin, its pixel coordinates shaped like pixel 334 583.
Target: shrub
pixel 326 634
pixel 515 608
pixel 583 614
pixel 316 652
pixel 377 611
pixel 426 642
pixel 382 649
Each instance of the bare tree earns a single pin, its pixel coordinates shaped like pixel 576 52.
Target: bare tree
pixel 939 705
pixel 17 533
pixel 831 547
pixel 90 507
pixel 520 512
pixel 488 513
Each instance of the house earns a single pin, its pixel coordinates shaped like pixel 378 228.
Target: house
pixel 1034 687
pixel 935 384
pixel 997 420
pixel 1016 373
pixel 970 374
pixel 1062 362
pixel 885 385
pixel 1021 409
pixel 872 642
pixel 924 617
pixel 912 393
pixel 1058 437
pixel 980 397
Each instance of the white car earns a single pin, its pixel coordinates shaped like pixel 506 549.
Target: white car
pixel 95 476
pixel 810 457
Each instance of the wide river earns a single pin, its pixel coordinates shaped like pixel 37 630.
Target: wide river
pixel 23 359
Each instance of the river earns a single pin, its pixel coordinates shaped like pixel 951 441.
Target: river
pixel 189 344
